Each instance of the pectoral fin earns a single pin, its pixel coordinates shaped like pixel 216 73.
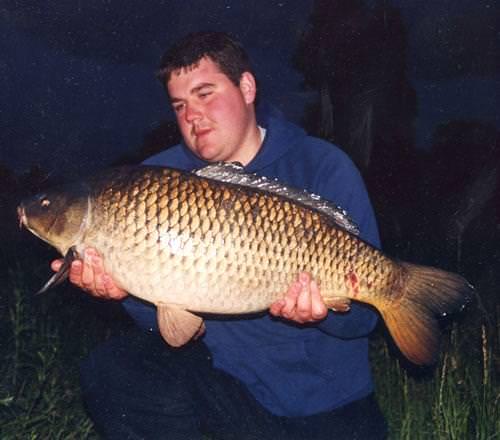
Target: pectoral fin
pixel 177 326
pixel 62 273
pixel 338 303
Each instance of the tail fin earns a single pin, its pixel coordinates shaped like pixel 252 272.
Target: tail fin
pixel 412 321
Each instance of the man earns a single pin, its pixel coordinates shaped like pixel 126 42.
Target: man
pixel 298 372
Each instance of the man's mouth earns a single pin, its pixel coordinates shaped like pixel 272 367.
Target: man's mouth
pixel 202 132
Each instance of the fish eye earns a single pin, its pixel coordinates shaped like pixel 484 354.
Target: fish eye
pixel 45 202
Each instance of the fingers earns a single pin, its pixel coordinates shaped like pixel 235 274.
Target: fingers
pixel 56 264
pixel 291 298
pixel 302 302
pixel 200 332
pixel 93 274
pixel 89 275
pixel 113 291
pixel 285 306
pixel 276 307
pixel 318 307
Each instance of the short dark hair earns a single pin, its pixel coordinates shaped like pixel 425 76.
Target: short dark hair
pixel 223 50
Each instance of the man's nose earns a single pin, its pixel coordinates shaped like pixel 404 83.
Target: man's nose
pixel 192 113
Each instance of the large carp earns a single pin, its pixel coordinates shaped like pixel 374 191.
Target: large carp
pixel 222 241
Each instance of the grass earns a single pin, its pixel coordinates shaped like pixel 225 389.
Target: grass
pixel 457 400
pixel 44 338
pixel 39 395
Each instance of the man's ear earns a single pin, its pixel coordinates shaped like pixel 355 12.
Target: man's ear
pixel 248 87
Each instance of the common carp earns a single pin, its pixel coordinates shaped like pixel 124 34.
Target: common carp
pixel 221 241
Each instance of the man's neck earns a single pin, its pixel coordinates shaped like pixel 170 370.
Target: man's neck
pixel 251 146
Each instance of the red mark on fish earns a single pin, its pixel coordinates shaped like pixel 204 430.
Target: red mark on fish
pixel 352 281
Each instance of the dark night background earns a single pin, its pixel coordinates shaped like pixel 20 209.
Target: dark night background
pixel 407 88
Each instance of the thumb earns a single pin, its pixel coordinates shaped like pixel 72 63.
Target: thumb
pixel 56 265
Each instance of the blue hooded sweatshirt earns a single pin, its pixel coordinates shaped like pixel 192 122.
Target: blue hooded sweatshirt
pixel 291 369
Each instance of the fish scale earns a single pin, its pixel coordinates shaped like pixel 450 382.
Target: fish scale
pixel 233 245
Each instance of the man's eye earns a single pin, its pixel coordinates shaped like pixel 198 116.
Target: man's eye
pixel 204 94
pixel 178 107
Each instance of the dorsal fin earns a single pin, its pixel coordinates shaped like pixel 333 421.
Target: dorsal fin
pixel 233 172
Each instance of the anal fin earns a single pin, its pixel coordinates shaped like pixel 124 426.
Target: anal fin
pixel 177 326
pixel 338 303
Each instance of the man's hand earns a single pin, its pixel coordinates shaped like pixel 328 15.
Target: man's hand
pixel 89 275
pixel 302 302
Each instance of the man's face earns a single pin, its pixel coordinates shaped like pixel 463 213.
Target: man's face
pixel 216 117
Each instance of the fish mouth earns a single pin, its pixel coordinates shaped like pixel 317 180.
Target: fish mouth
pixel 21 215
pixel 23 221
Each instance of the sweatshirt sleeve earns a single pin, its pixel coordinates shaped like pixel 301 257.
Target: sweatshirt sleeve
pixel 344 186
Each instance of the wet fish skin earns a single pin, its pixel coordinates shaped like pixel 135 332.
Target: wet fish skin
pixel 182 233
pixel 197 244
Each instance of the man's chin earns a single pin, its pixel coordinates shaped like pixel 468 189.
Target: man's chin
pixel 207 153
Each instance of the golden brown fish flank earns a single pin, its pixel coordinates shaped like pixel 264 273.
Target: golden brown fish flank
pixel 191 244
